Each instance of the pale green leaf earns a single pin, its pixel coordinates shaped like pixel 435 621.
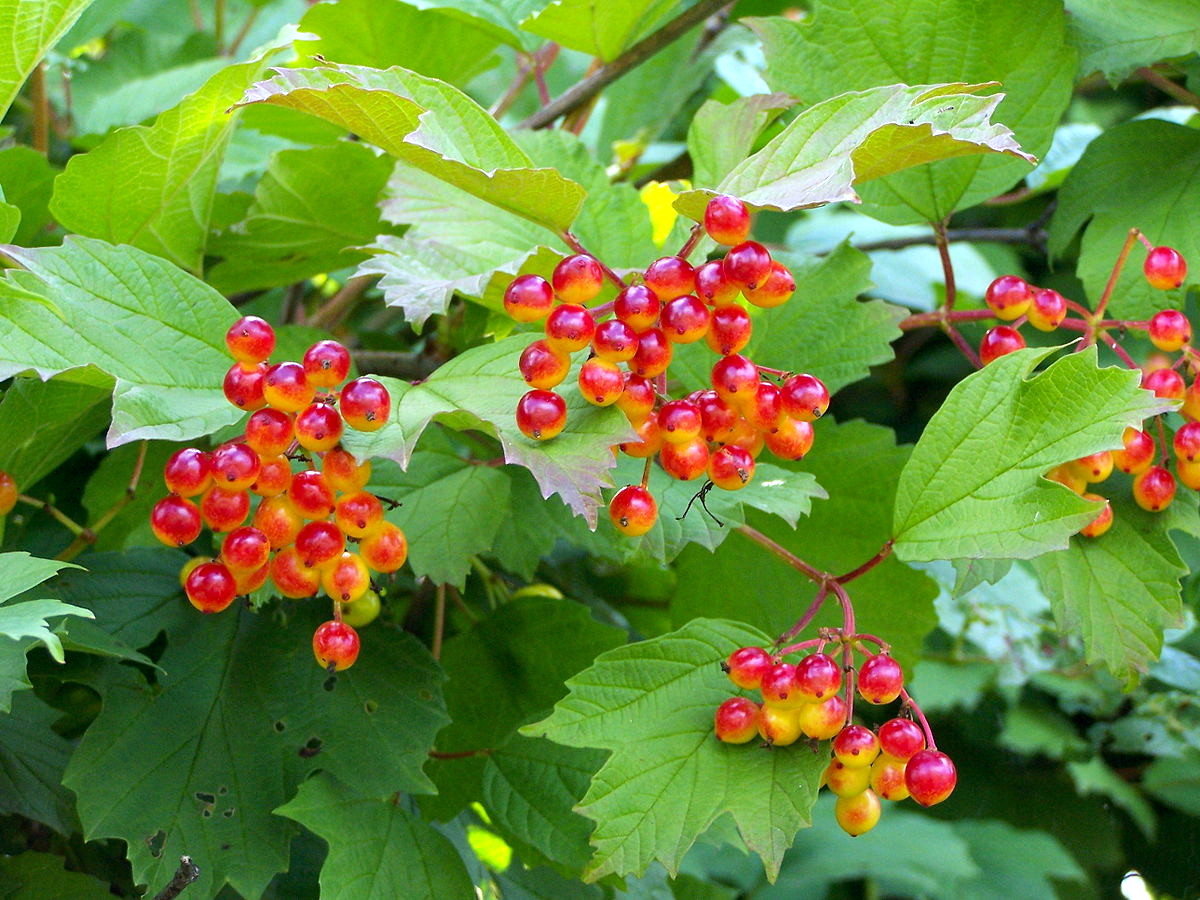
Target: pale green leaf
pixel 28 182
pixel 36 876
pixel 1116 38
pixel 721 135
pixel 858 136
pixel 10 219
pixel 1033 729
pixel 668 779
pixel 31 27
pixel 157 330
pixel 139 97
pixel 28 619
pixel 600 28
pixel 20 572
pixel 432 126
pixel 847 45
pixel 43 422
pixel 974 485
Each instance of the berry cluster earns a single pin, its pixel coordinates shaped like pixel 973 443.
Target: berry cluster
pixel 810 698
pixel 305 515
pixel 716 433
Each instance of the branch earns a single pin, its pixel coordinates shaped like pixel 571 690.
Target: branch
pixel 333 312
pixel 187 872
pixel 585 90
pixel 41 109
pixel 810 572
pixel 1169 87
pixel 406 365
pixel 1031 235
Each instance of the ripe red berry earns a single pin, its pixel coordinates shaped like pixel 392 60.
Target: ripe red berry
pixel 175 521
pixel 713 285
pixel 528 298
pixel 1154 489
pixel 335 645
pixel 1187 441
pixel 1047 310
pixel 818 677
pixel 311 494
pixel 243 385
pixel 8 493
pixel 293 579
pixel 251 581
pixel 319 543
pixel 569 328
pixel 615 341
pixel 774 290
pixel 541 415
pixel 542 366
pixel 188 472
pixel 735 378
pixel 1169 330
pixel 1165 383
pixel 858 814
pixel 686 461
pixel 685 319
pixel 880 679
pixel 386 549
pixel 717 418
pixel 856 745
pixel 600 382
pixel 747 436
pixel 343 472
pixel 1000 341
pixel 780 688
pixel 278 518
pixel 747 265
pixel 224 510
pixel 653 354
pixel 1138 452
pixel 1095 467
pixel 649 439
pixel 736 720
pixel 746 666
pixel 731 468
pixel 358 514
pixel 326 363
pixel 633 510
pixel 365 404
pixel 638 307
pixel 729 331
pixel 1103 520
pixel 245 549
pixel 727 220
pixel 804 397
pixel 822 721
pixel 901 738
pixel 346 578
pixel 234 466
pixel 670 277
pixel 318 427
pixel 887 778
pixel 210 587
pixel 274 476
pixel 286 387
pixel 1165 268
pixel 577 279
pixel 930 777
pixel 679 421
pixel 637 399
pixel 763 408
pixel 269 432
pixel 250 339
pixel 1009 297
pixel 792 439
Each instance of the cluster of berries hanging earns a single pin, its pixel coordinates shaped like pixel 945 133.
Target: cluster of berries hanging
pixel 812 699
pixel 716 433
pixel 306 514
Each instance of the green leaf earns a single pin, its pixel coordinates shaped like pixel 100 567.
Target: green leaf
pixel 1032 729
pixel 597 29
pixel 29 620
pixel 1014 862
pixel 1095 777
pixel 858 465
pixel 1140 174
pixel 1116 39
pixel 31 28
pixel 479 389
pixel 971 573
pixel 312 210
pixel 1175 782
pixel 28 182
pixel 432 126
pixel 974 484
pixel 845 45
pixel 377 849
pixel 152 186
pixel 944 687
pixel 396 33
pixel 13 677
pixel 10 219
pixel 858 136
pixel 667 778
pixel 721 135
pixel 35 876
pixel 1119 591
pixel 43 422
pixel 242 715
pixel 109 485
pixel 157 330
pixel 32 759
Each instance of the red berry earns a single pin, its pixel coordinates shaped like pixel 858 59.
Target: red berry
pixel 1154 489
pixel 717 418
pixel 856 745
pixel 269 432
pixel 386 549
pixel 601 382
pixel 637 399
pixel 930 777
pixel 243 385
pixel 311 494
pixel 251 581
pixel 245 549
pixel 679 421
pixel 1095 467
pixel 775 290
pixel 747 436
pixel 638 307
pixel 780 688
pixel 335 645
pixel 358 514
pixel 1000 341
pixel 880 679
pixel 1047 310
pixel 1165 268
pixel 748 265
pixel 528 298
pixel 730 330
pixel 615 341
pixel 1165 383
pixel 175 521
pixel 1169 330
pixel 747 665
pixel 188 472
pixel 821 721
pixel 343 472
pixel 713 285
pixel 326 363
pixel 346 578
pixel 901 738
pixel 1103 520
pixel 1009 297
pixel 633 510
pixel 649 439
pixel 792 439
pixel 224 510
pixel 274 477
pixel 727 220
pixel 1187 441
pixel 318 427
pixel 736 720
pixel 287 388
pixel 234 466
pixel 763 408
pixel 670 277
pixel 541 415
pixel 1138 452
pixel 8 493
pixel 735 378
pixel 848 781
pixel 569 328
pixel 731 468
pixel 250 339
pixel 365 404
pixel 887 778
pixel 319 543
pixel 858 814
pixel 686 461
pixel 278 518
pixel 211 587
pixel 653 354
pixel 685 320
pixel 542 366
pixel 577 279
pixel 804 397
pixel 293 579
pixel 818 676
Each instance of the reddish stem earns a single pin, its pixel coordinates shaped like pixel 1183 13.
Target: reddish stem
pixel 1116 271
pixel 884 552
pixel 1079 308
pixel 1118 349
pixel 813 574
pixel 1139 324
pixel 796 648
pixel 912 704
pixel 961 343
pixel 693 239
pixel 809 615
pixel 460 754
pixel 778 373
pixel 1162 440
pixel 943 245
pixel 883 645
pixel 937 317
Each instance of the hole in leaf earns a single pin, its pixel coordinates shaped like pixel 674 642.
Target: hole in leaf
pixel 311 748
pixel 205 797
pixel 222 790
pixel 370 706
pixel 228 813
pixel 155 842
pixel 280 727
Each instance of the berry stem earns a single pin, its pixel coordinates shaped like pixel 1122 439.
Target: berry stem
pixel 53 512
pixel 41 109
pixel 884 552
pixel 1118 349
pixel 912 704
pixel 937 317
pixel 540 64
pixel 796 648
pixel 1162 440
pixel 961 343
pixel 883 645
pixel 462 605
pixel 646 472
pixel 439 622
pixel 1079 309
pixel 943 246
pixel 778 373
pixel 813 574
pixel 809 615
pixel 1169 87
pixel 693 239
pixel 573 242
pixel 1132 237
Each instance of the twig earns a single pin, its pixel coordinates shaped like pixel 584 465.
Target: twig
pixel 1130 240
pixel 197 19
pixel 41 109
pixel 589 87
pixel 1169 87
pixel 943 245
pixel 460 754
pixel 333 312
pixel 884 552
pixel 1033 236
pixel 88 536
pixel 937 317
pixel 961 343
pixel 809 615
pixel 406 365
pixel 1118 349
pixel 439 622
pixel 247 24
pixel 693 239
pixel 187 872
pixel 53 512
pixel 219 23
pixel 813 574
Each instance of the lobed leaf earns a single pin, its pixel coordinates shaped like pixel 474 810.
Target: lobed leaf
pixel 1115 39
